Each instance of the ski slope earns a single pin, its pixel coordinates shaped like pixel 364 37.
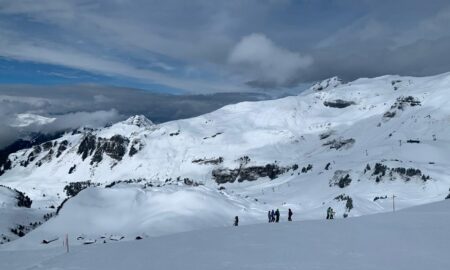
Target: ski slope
pixel 415 238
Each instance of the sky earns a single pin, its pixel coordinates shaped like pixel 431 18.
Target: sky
pixel 199 48
pixel 205 46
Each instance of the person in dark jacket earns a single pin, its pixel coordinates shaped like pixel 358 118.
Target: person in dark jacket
pixel 277 216
pixel 269 216
pixel 236 221
pixel 290 214
pixel 273 215
pixel 330 213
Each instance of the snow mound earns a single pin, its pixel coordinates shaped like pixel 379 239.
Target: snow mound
pixel 131 211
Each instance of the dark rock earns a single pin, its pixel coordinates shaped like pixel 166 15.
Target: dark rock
pixel 307 168
pixel 379 198
pixel 115 147
pixel 205 161
pixel 325 135
pixel 339 143
pixel 73 188
pixel 23 200
pixel 225 175
pixel 338 103
pixel 72 169
pixel 348 199
pixel 341 179
pixel 47 145
pixel 133 151
pixel 37 138
pixel 87 146
pixel 62 147
pixel 389 114
pixel 379 169
pixel 213 136
pixel 136 146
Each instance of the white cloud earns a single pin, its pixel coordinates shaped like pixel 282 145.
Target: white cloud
pixel 27 119
pixel 266 62
pixel 88 119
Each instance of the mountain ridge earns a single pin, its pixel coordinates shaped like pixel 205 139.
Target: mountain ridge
pixel 350 146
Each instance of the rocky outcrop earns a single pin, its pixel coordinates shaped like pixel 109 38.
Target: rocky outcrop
pixel 341 179
pixel 381 172
pixel 207 161
pixel 340 143
pixel 251 173
pixel 136 146
pixel 348 201
pixel 62 147
pixel 400 104
pixel 338 103
pixel 327 84
pixel 22 200
pixel 87 146
pixel 115 148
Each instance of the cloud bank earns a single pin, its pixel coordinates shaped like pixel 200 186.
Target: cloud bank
pixel 45 109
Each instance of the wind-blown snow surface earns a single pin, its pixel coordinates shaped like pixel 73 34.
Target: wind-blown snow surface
pixel 415 238
pixel 350 146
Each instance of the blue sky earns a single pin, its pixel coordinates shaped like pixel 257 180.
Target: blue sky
pixel 205 46
pixel 34 73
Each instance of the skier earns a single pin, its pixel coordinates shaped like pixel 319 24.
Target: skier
pixel 236 221
pixel 269 216
pixel 330 213
pixel 290 214
pixel 277 216
pixel 273 215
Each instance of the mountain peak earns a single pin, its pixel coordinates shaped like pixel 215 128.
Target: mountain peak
pixel 328 83
pixel 139 120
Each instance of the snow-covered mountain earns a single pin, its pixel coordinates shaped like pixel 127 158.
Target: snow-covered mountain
pixel 350 146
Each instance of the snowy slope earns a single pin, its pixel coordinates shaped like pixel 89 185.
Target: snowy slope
pixel 124 213
pixel 416 238
pixel 350 146
pixel 17 215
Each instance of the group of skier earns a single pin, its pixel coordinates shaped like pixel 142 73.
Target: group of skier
pixel 274 216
